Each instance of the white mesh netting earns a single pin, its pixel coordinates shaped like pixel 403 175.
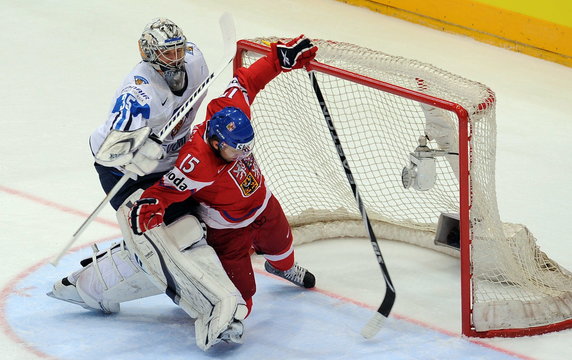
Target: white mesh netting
pixel 514 284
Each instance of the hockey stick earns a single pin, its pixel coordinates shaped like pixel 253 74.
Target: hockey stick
pixel 229 40
pixel 374 325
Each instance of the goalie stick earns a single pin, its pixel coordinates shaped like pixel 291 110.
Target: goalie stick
pixel 229 41
pixel 374 325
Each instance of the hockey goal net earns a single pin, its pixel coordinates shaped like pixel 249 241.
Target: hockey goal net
pixel 381 105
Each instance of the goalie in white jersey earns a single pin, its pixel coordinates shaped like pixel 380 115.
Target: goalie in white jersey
pixel 171 70
pixel 174 259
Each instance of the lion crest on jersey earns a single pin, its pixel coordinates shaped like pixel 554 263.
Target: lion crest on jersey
pixel 246 174
pixel 139 80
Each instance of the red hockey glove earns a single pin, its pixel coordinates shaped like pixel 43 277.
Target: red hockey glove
pixel 145 215
pixel 295 54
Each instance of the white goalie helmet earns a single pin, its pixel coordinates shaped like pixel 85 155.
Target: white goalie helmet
pixel 163 45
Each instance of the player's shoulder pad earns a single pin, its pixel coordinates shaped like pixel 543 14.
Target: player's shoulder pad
pixel 139 82
pixel 144 81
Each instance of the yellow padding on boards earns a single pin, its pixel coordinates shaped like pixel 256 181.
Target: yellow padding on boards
pixel 554 11
pixel 500 27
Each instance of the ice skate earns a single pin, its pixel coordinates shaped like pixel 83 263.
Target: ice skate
pixel 296 275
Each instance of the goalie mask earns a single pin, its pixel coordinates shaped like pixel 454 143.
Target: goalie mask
pixel 163 45
pixel 232 128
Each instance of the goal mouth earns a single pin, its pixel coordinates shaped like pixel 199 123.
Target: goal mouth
pixel 382 107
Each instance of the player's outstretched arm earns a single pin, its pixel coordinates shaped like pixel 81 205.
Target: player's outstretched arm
pixel 295 54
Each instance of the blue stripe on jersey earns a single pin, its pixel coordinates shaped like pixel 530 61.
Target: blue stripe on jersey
pixel 227 216
pixel 127 106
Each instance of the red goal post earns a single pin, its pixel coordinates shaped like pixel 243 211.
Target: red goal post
pixel 384 103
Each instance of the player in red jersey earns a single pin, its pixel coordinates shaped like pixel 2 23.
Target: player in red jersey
pixel 216 167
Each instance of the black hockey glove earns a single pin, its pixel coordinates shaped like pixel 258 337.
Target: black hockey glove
pixel 295 54
pixel 145 214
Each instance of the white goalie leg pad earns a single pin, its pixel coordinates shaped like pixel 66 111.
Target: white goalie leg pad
pixel 110 278
pixel 439 127
pixel 179 261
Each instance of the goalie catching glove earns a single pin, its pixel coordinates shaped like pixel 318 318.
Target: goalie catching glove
pixel 295 54
pixel 136 151
pixel 145 214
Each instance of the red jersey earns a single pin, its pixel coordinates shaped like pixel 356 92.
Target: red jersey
pixel 231 194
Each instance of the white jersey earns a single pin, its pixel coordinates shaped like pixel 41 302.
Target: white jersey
pixel 144 99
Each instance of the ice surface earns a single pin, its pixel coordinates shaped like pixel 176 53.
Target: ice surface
pixel 61 62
